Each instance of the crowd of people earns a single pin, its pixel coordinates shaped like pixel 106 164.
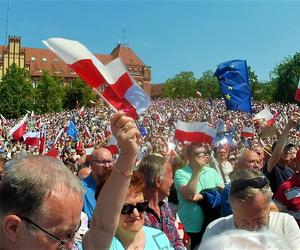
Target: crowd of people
pixel 153 192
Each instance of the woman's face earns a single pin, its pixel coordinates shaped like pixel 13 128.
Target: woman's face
pixel 133 221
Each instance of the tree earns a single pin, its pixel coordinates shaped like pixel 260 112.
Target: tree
pixel 208 85
pixel 286 76
pixel 78 93
pixel 16 92
pixel 49 94
pixel 183 85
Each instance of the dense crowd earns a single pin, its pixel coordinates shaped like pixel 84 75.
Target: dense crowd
pixel 188 191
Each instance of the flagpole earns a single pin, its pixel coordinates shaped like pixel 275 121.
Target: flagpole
pixel 107 102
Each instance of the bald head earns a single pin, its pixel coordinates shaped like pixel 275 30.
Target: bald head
pixel 101 159
pixel 249 159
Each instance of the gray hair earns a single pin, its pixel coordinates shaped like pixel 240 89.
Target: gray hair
pixel 152 166
pixel 246 240
pixel 29 180
pixel 248 192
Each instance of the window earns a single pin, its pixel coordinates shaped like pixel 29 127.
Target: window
pixel 44 59
pixel 33 58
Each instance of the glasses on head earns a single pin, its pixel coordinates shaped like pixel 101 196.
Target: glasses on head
pixel 258 182
pixel 128 208
pixel 62 243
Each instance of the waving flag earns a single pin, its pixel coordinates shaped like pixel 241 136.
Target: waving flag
pixel 234 84
pixel 247 132
pixel 197 132
pixel 32 138
pixel 72 130
pixel 19 129
pixel 297 94
pixel 120 90
pixel 265 116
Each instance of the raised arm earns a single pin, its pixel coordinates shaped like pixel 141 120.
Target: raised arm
pixel 276 153
pixel 111 198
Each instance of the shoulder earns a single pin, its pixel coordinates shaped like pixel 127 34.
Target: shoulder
pixel 218 226
pixel 157 237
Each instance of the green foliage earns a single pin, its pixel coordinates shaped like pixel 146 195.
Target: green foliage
pixel 16 92
pixel 77 93
pixel 286 77
pixel 208 85
pixel 183 85
pixel 49 94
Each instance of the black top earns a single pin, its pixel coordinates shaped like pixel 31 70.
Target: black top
pixel 278 175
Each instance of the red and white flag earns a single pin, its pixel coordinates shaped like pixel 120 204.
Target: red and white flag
pixel 112 144
pixel 265 116
pixel 53 153
pixel 87 132
pixel 39 123
pixel 81 111
pixel 196 132
pixel 297 94
pixel 32 138
pixel 42 141
pixel 120 90
pixel 247 132
pixel 3 119
pixel 18 130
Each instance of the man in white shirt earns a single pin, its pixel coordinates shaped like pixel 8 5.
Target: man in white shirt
pixel 250 199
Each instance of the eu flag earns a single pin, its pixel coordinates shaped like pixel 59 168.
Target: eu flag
pixel 72 130
pixel 234 84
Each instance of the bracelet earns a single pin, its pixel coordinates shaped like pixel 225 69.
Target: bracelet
pixel 121 172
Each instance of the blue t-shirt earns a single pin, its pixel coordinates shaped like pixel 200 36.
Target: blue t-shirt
pixel 89 201
pixel 155 240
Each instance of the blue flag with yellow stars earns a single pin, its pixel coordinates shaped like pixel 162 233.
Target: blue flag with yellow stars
pixel 234 84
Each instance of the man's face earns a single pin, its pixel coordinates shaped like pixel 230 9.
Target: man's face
pixel 102 158
pixel 286 154
pixel 251 160
pixel 252 214
pixel 60 217
pixel 166 181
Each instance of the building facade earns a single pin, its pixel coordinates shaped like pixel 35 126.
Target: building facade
pixel 37 60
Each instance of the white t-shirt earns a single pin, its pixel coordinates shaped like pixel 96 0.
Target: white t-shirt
pixel 279 223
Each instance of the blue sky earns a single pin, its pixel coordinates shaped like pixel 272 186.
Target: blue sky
pixel 169 36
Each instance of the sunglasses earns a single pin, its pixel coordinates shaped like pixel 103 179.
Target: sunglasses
pixel 128 208
pixel 258 182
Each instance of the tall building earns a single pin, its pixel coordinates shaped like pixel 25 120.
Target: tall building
pixel 37 60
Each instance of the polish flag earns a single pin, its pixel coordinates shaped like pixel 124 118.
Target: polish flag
pixel 3 119
pixel 265 116
pixel 19 129
pixel 297 94
pixel 42 141
pixel 120 90
pixel 247 132
pixel 32 138
pixel 112 144
pixel 81 111
pixel 87 132
pixel 196 132
pixel 53 153
pixel 39 123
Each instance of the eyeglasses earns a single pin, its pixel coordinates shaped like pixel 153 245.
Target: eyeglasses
pixel 258 182
pixel 103 162
pixel 128 208
pixel 62 243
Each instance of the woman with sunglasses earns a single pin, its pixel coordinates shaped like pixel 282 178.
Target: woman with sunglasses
pixel 131 232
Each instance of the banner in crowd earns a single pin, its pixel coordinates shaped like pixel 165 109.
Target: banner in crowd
pixel 234 85
pixel 264 116
pixel 19 129
pixel 119 88
pixel 196 132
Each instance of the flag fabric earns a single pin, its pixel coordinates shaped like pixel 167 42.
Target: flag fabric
pixel 3 119
pixel 87 132
pixel 120 90
pixel 39 123
pixel 72 130
pixel 297 94
pixel 18 130
pixel 234 85
pixel 143 131
pixel 81 111
pixel 53 153
pixel 32 138
pixel 42 140
pixel 265 116
pixel 247 132
pixel 196 132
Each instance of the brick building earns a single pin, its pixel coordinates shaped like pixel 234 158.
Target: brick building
pixel 37 60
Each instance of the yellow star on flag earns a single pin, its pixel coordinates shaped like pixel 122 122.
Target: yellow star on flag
pixel 227 97
pixel 229 87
